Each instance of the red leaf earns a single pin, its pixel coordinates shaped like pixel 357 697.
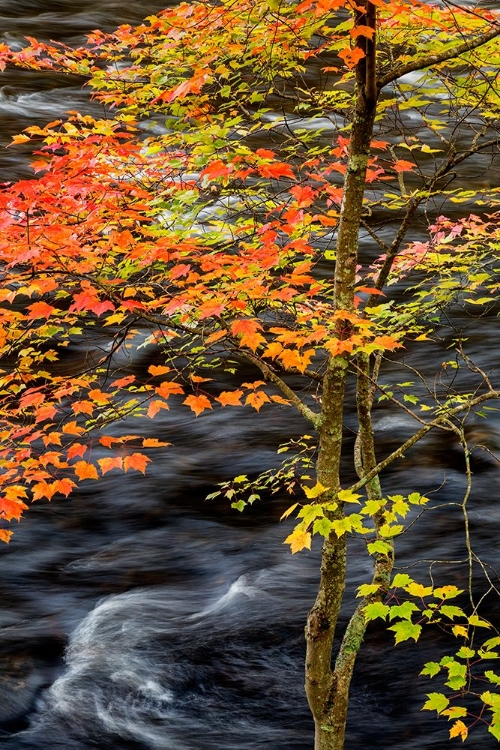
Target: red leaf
pixel 276 170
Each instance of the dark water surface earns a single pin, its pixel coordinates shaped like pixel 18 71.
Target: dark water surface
pixel 182 621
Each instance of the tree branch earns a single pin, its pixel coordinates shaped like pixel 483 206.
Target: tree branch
pixel 426 61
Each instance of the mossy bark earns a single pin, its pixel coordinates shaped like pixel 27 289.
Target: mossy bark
pixel 327 688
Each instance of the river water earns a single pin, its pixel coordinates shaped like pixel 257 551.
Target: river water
pixel 138 616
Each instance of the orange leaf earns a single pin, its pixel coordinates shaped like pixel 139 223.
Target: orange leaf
pixel 153 443
pixel 40 310
pixel 351 57
pixel 5 535
pixel 136 461
pixel 197 403
pixel 31 398
pixel 158 369
pixel 401 165
pixel 122 382
pixel 256 399
pixel 230 398
pixel 168 387
pixel 72 428
pixel 10 509
pixel 107 464
pixel 280 400
pixel 44 412
pixel 155 406
pixel 64 486
pixel 248 329
pixel 84 470
pixel 83 407
pixel 44 489
pixel 361 30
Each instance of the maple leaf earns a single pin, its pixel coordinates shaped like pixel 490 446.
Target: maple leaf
pixel 230 398
pixel 155 406
pixel 84 470
pixel 169 387
pixel 11 508
pixel 122 382
pixel 351 57
pixel 276 170
pixel 106 464
pixel 72 428
pixel 64 486
pixel 136 461
pixel 5 535
pixel 44 489
pixel 158 369
pixel 40 310
pixel 31 398
pixel 459 729
pixel 298 540
pixel 257 399
pixel 247 329
pixel 366 31
pixel 83 407
pixel 401 165
pixel 46 411
pixel 153 443
pixel 197 403
pixel 216 169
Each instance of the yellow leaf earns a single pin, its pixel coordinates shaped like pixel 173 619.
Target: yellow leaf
pixel 316 491
pixel 288 511
pixel 298 540
pixel 459 730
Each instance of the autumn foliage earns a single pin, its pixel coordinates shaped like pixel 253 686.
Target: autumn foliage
pixel 229 232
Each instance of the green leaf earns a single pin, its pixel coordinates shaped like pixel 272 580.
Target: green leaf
pixel 384 548
pixel 368 588
pixel 401 580
pixel 322 526
pixel 449 611
pixel 478 622
pixel 404 610
pixel 347 496
pixel 437 702
pixel 239 505
pixel 494 729
pixel 376 609
pixel 492 677
pixel 431 669
pixel 404 630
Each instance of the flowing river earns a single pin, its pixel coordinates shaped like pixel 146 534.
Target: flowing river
pixel 138 616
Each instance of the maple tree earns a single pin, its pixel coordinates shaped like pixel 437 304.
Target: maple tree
pixel 236 233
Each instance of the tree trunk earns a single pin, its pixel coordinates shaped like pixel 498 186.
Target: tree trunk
pixel 328 690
